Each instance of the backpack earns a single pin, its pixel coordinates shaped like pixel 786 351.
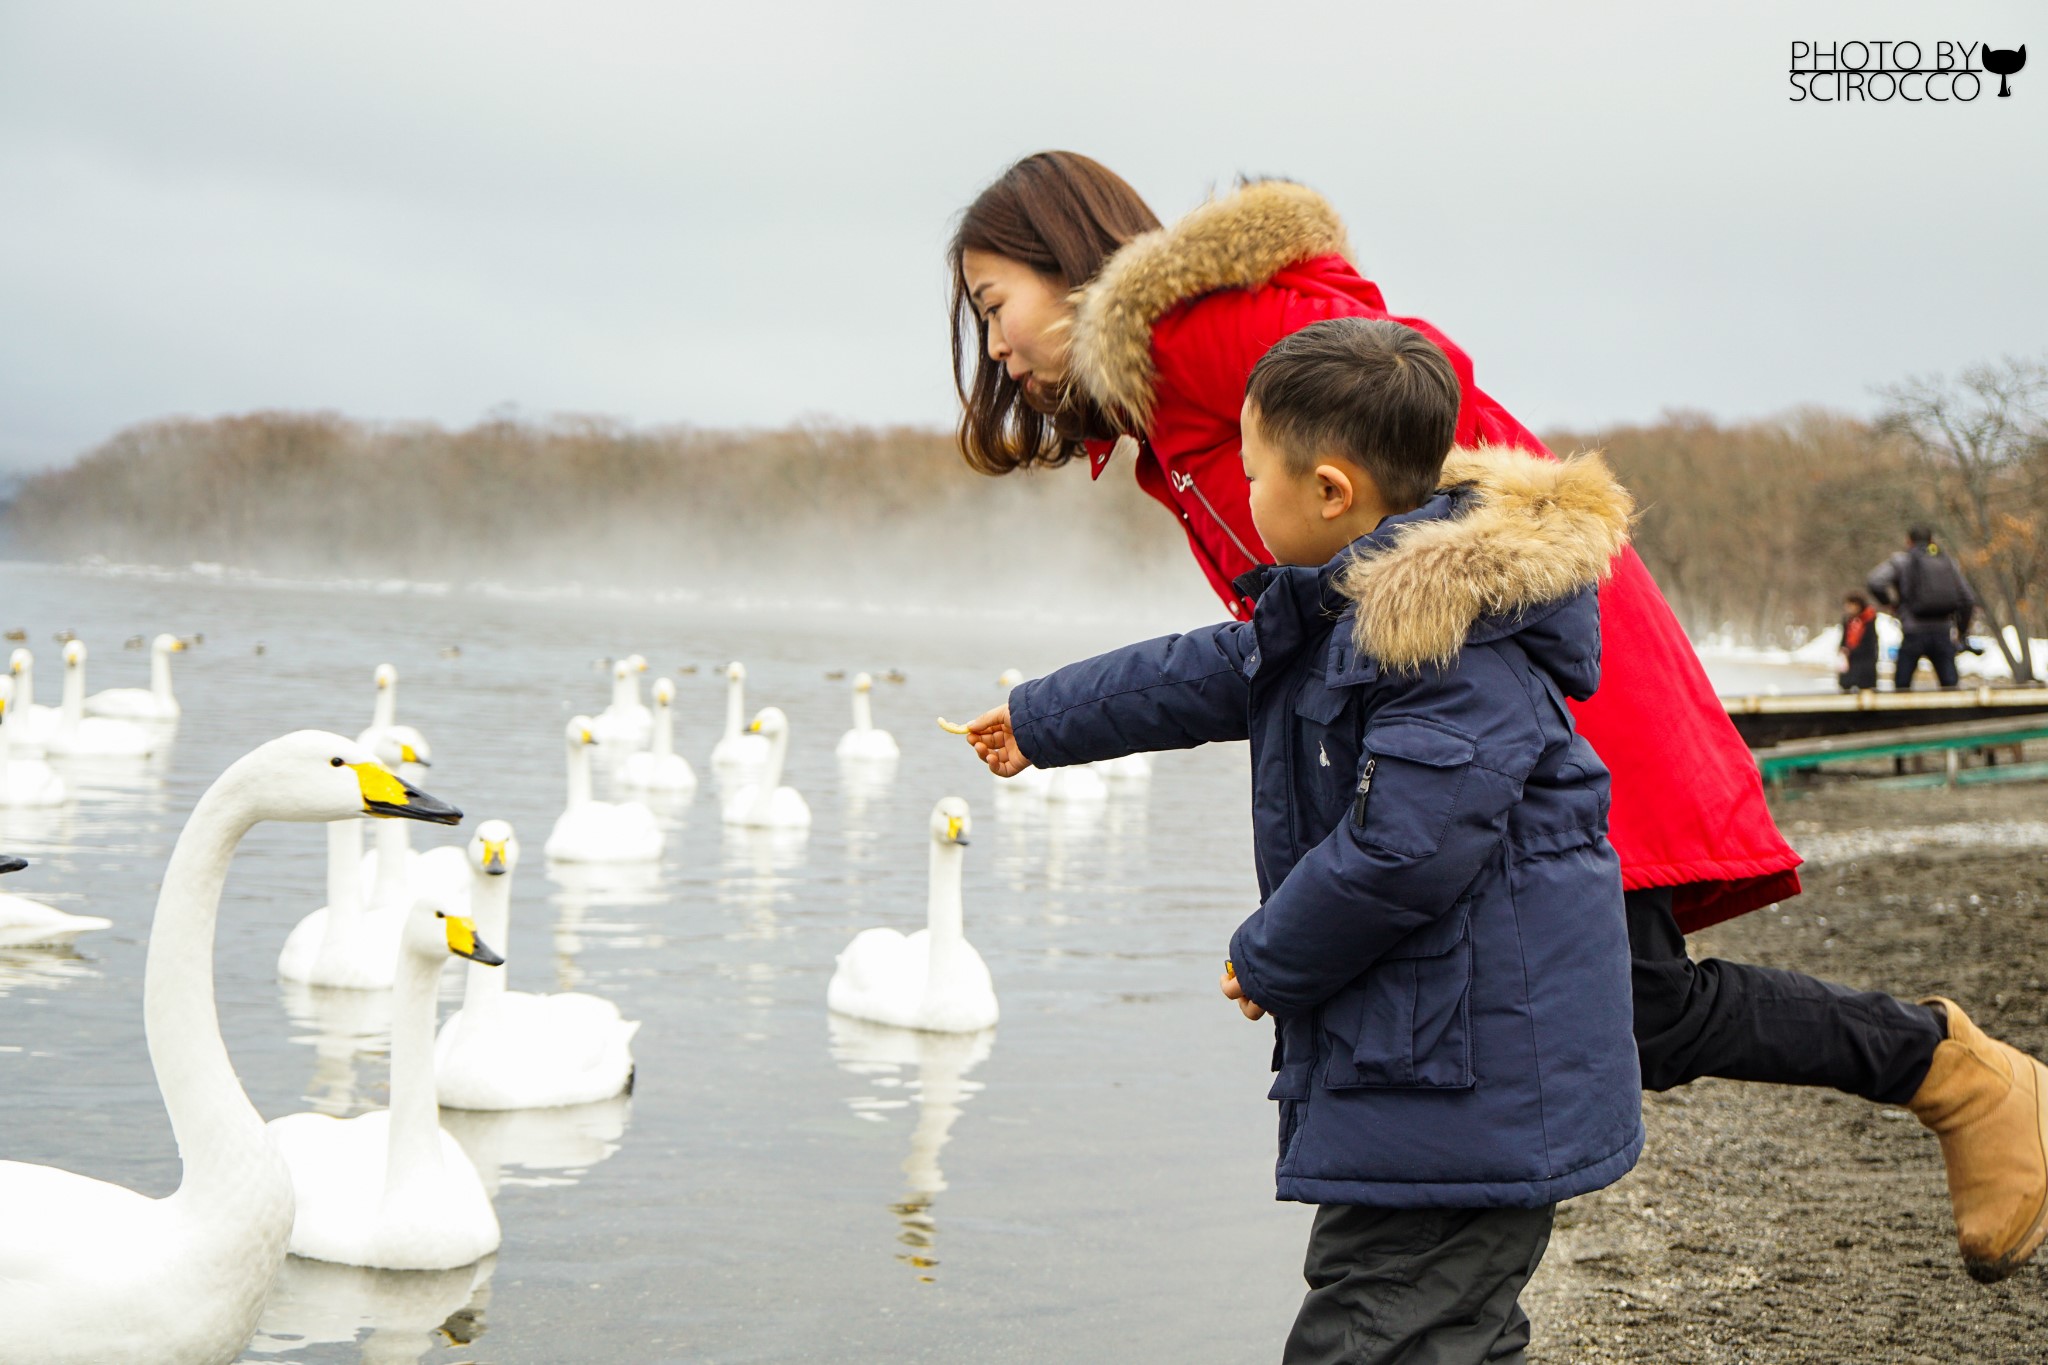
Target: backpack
pixel 1931 585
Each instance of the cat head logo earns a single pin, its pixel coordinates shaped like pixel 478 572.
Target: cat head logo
pixel 2004 62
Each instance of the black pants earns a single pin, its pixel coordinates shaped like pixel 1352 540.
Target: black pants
pixel 1938 647
pixel 1417 1286
pixel 1747 1023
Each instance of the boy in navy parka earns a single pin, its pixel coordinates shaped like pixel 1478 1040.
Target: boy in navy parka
pixel 1440 938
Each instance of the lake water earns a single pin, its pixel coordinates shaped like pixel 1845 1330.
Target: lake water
pixel 1093 1182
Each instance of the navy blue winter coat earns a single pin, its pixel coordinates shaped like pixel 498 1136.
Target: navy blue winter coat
pixel 1440 940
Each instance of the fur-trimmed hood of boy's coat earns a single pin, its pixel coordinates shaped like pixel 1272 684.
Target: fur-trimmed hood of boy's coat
pixel 1533 531
pixel 1238 241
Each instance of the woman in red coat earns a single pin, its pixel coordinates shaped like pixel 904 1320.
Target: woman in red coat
pixel 1092 329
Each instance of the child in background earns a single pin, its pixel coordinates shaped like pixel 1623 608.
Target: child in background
pixel 1856 661
pixel 1440 938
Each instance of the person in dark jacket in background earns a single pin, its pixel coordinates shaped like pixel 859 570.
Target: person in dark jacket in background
pixel 1856 663
pixel 1440 939
pixel 1926 587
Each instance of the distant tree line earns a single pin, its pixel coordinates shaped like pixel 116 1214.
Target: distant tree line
pixel 1754 529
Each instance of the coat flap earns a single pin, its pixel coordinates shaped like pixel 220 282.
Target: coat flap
pixel 1320 703
pixel 1418 741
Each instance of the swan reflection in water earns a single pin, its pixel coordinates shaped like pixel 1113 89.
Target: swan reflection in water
pixel 583 888
pixel 42 968
pixel 557 1145
pixel 406 1313
pixel 751 875
pixel 863 782
pixel 342 1027
pixel 938 1064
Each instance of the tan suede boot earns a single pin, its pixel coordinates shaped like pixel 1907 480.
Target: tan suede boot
pixel 1989 1104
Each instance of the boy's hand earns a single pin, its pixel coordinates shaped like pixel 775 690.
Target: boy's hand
pixel 1233 991
pixel 990 735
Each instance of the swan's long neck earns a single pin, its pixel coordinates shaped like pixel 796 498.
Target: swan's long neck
pixel 624 694
pixel 217 1129
pixel 344 865
pixel 863 714
pixel 579 777
pixel 160 674
pixel 415 1150
pixel 6 748
pixel 735 706
pixel 25 684
pixel 490 901
pixel 771 772
pixel 386 712
pixel 74 693
pixel 664 735
pixel 394 881
pixel 942 905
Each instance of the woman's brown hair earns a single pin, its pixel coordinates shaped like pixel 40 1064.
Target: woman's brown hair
pixel 1063 215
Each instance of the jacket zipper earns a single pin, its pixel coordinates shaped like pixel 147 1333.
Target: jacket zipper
pixel 1364 791
pixel 1251 558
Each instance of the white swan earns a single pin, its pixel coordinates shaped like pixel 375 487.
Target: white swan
pixel 626 720
pixel 81 736
pixel 23 781
pixel 764 803
pixel 864 742
pixel 661 768
pixel 33 724
pixel 507 1049
pixel 933 979
pixel 154 702
pixel 92 1272
pixel 391 742
pixel 739 753
pixel 351 942
pixel 31 924
pixel 591 831
pixel 389 1189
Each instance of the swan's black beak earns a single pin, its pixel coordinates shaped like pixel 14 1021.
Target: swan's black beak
pixel 463 942
pixel 387 794
pixel 11 863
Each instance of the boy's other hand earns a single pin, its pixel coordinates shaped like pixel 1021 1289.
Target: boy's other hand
pixel 1233 991
pixel 990 735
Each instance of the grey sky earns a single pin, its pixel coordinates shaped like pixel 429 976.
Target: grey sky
pixel 734 214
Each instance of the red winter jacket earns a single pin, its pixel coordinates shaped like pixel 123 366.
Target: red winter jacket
pixel 1165 338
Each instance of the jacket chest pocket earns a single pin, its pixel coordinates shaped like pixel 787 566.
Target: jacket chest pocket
pixel 1407 1024
pixel 1325 752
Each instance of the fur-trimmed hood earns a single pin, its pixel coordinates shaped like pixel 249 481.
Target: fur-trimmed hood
pixel 1238 241
pixel 1522 533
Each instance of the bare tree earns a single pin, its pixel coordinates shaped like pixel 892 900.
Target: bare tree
pixel 1981 445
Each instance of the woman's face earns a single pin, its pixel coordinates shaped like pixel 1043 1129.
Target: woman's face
pixel 1027 315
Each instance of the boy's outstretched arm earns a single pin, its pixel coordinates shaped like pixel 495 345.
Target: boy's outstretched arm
pixel 1170 693
pixel 1441 768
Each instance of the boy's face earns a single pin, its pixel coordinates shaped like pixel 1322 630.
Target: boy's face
pixel 1304 518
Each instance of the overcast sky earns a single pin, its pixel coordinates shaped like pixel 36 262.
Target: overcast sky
pixel 736 213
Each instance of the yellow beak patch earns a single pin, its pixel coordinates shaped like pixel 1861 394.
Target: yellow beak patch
pixel 380 784
pixel 461 935
pixel 494 853
pixel 953 828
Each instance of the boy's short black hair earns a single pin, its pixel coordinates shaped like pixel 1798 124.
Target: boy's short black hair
pixel 1376 392
pixel 1856 600
pixel 1920 533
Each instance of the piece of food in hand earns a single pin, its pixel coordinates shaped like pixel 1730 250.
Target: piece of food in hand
pixel 1230 969
pixel 951 727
